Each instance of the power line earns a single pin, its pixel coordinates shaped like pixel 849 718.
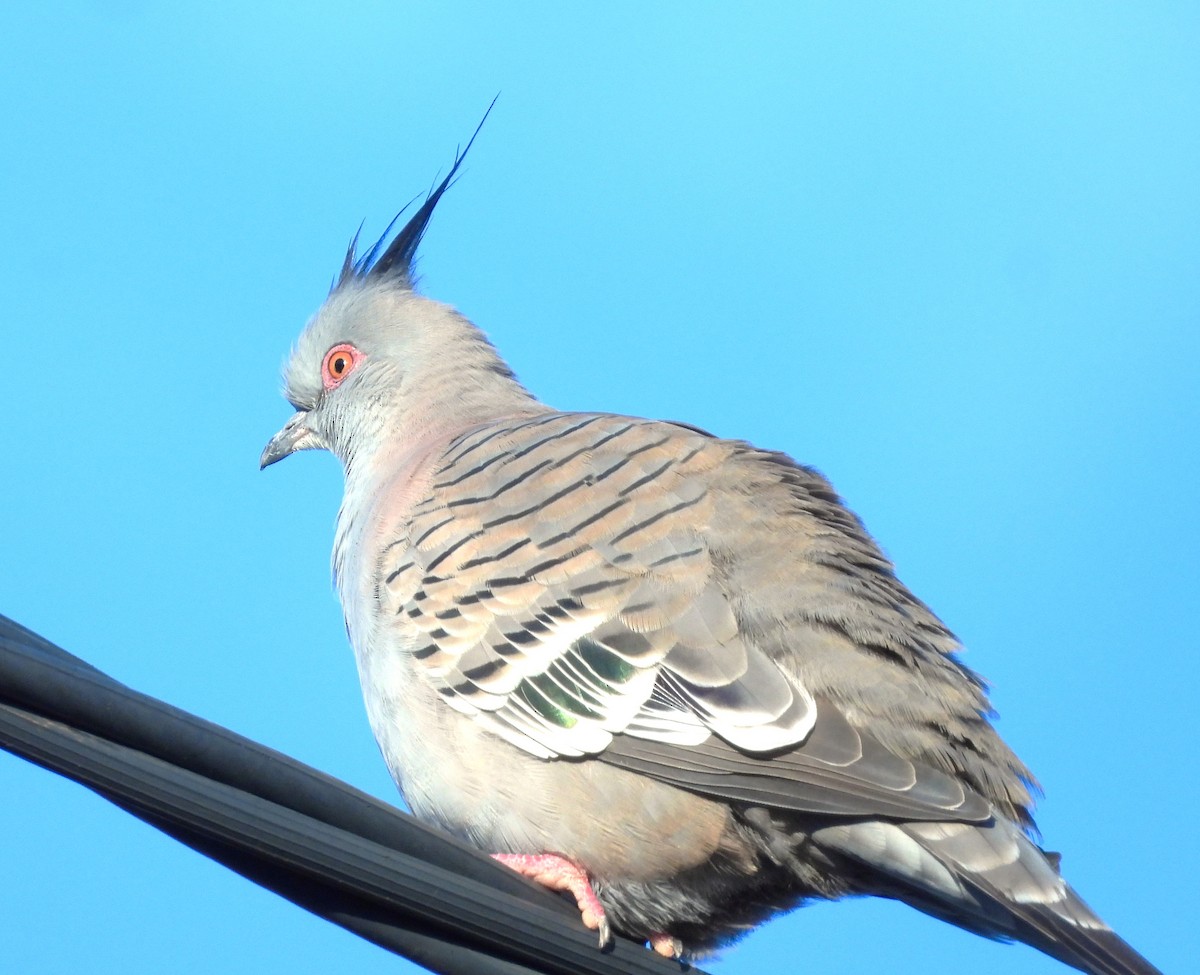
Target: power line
pixel 324 845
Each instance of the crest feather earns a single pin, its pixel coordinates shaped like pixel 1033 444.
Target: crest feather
pixel 396 260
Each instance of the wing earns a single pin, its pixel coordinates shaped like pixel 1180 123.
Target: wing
pixel 572 582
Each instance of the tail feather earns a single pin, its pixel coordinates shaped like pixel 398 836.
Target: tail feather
pixel 990 879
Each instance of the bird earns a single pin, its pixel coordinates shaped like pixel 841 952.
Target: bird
pixel 667 673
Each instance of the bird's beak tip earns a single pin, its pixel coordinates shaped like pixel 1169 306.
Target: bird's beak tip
pixel 293 436
pixel 268 458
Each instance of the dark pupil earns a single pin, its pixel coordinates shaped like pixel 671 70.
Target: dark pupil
pixel 339 366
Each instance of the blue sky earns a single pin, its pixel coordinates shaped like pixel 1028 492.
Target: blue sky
pixel 946 254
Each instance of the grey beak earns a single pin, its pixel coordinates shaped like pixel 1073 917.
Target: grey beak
pixel 293 436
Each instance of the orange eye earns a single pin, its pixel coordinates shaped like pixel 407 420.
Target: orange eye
pixel 339 363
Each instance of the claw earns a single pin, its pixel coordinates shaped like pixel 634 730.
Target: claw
pixel 665 945
pixel 559 873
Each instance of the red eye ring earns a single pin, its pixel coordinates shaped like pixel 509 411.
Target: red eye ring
pixel 339 362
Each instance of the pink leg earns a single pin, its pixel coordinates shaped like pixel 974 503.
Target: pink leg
pixel 559 873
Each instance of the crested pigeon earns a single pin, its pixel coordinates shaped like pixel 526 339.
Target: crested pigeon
pixel 670 673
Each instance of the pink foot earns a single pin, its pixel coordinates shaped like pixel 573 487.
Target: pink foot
pixel 665 945
pixel 559 873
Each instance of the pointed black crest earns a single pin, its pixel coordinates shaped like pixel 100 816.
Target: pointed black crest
pixel 397 259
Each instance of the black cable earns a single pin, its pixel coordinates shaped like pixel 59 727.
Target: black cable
pixel 324 845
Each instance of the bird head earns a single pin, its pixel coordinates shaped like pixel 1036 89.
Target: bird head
pixel 378 361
